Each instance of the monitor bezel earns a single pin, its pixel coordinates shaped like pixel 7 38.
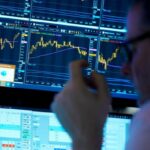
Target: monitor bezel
pixel 17 97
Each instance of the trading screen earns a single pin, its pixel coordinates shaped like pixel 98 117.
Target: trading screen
pixel 39 38
pixel 34 130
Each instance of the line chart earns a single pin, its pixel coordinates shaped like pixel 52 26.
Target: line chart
pixel 10 42
pixel 107 61
pixel 68 45
pixel 110 61
pixel 111 57
pixel 50 55
pixel 6 41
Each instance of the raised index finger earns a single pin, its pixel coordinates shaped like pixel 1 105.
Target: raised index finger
pixel 76 69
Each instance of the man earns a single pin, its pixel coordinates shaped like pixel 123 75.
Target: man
pixel 83 112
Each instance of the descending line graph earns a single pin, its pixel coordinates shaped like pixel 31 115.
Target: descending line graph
pixel 65 45
pixel 50 55
pixel 84 53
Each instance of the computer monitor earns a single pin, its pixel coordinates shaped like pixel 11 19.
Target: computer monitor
pixel 22 129
pixel 39 38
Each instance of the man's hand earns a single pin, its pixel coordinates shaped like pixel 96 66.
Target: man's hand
pixel 81 111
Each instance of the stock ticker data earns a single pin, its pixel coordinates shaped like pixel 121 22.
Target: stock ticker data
pixel 39 38
pixel 50 54
pixel 9 43
pixel 38 130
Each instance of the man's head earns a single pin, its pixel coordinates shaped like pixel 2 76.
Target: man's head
pixel 139 23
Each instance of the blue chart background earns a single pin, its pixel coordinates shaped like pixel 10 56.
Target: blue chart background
pixel 50 64
pixel 9 47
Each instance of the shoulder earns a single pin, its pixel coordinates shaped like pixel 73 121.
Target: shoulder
pixel 139 133
pixel 143 115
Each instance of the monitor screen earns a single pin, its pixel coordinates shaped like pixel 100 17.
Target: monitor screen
pixel 39 38
pixel 38 130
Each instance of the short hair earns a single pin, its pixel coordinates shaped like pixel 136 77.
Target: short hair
pixel 145 4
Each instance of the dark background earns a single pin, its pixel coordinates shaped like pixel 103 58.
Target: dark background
pixel 24 98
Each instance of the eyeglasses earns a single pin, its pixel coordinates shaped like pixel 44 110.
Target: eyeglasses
pixel 129 45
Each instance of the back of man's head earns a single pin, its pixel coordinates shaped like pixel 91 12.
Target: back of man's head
pixel 145 5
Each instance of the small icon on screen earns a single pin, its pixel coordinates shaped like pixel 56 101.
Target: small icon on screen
pixel 3 73
pixel 7 72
